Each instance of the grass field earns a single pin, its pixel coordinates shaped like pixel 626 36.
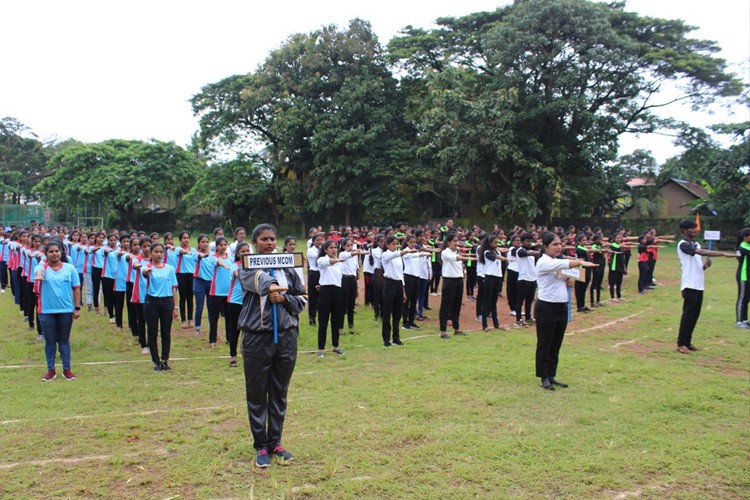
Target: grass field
pixel 433 419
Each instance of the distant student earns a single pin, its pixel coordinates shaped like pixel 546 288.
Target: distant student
pixel 453 281
pixel 331 303
pixel 743 277
pixel 161 305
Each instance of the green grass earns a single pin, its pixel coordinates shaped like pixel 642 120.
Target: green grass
pixel 433 419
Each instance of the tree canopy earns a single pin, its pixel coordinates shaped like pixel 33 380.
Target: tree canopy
pixel 119 174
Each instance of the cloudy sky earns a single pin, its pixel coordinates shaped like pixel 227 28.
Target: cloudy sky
pixel 96 70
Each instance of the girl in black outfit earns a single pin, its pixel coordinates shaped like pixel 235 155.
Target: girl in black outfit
pixel 582 253
pixel 597 273
pixel 489 257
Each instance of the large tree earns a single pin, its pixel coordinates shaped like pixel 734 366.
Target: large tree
pixel 327 112
pixel 531 98
pixel 118 175
pixel 22 161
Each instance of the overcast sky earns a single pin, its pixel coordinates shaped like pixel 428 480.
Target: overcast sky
pixel 97 70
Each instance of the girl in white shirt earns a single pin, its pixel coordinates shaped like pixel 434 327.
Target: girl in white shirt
pixel 453 284
pixel 350 270
pixel 331 298
pixel 552 308
pixel 490 259
pixel 393 289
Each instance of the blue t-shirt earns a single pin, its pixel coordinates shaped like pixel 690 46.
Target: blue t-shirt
pixel 172 258
pixel 186 262
pixel 56 290
pixel 121 276
pixel 221 278
pixel 110 264
pixel 161 281
pixel 204 269
pixel 31 262
pixel 235 288
pixel 98 257
pixel 140 283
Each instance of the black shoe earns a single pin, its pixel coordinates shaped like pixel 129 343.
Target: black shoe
pixel 413 326
pixel 427 308
pixel 157 367
pixel 558 384
pixel 386 344
pixel 165 366
pixel 547 384
pixel 405 327
pixel 398 342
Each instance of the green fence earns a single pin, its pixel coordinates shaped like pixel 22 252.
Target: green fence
pixel 22 215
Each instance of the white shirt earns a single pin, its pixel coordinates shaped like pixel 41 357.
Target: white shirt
pixel 425 267
pixel 551 287
pixel 366 266
pixel 411 263
pixel 330 274
pixel 492 267
pixel 350 265
pixel 480 265
pixel 691 266
pixel 312 258
pixel 452 267
pixel 377 254
pixel 512 259
pixel 393 265
pixel 526 267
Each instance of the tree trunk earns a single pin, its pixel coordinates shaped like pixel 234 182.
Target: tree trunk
pixel 347 215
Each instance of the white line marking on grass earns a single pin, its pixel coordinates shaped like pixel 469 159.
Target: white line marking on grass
pixel 604 325
pixel 118 362
pixel 120 415
pixel 75 460
pixel 628 342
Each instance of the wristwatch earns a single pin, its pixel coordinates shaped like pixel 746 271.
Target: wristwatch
pixel 78 308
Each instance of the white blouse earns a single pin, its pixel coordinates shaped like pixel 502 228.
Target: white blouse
pixel 550 286
pixel 452 267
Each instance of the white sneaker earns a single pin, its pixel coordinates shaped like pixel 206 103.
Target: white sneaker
pixel 743 325
pixel 2 291
pixel 145 350
pixel 111 320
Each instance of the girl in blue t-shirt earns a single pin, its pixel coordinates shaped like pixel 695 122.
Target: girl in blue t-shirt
pixel 220 280
pixel 121 280
pixel 109 268
pixel 161 305
pixel 185 267
pixel 201 280
pixel 59 291
pixel 140 284
pixel 97 261
pixel 234 302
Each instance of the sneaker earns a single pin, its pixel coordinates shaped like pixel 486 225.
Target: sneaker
pixel 398 342
pixel 421 318
pixel 280 454
pixel 262 459
pixel 111 320
pixel 414 327
pixel 321 354
pixel 459 333
pixel 386 344
pixel 165 366
pixel 743 325
pixel 433 294
pixel 513 313
pixel 479 318
pixel 520 324
pixel 197 331
pixel 157 367
pixel 184 325
pixel 338 350
pixel 405 327
pixel 444 335
pixel 683 349
pixel 118 329
pixel 530 322
pixel 693 348
pixel 90 309
pixel 233 363
pixel 2 291
pixel 145 350
pixel 68 375
pixel 471 298
pixel 49 376
pixel 39 338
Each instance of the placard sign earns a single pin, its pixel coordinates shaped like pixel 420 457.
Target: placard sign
pixel 712 235
pixel 272 260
